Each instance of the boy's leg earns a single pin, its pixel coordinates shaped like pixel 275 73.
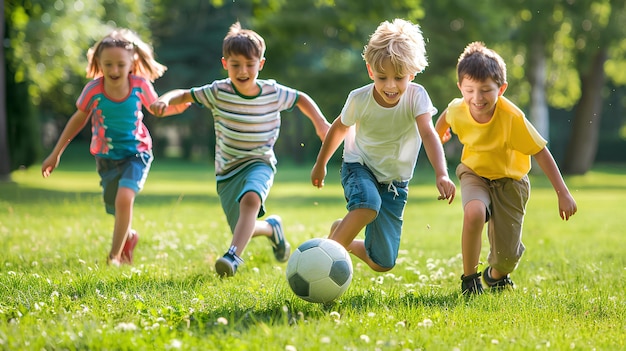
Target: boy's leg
pixel 509 199
pixel 476 201
pixel 243 197
pixel 475 198
pixel 474 214
pixel 349 227
pixel 249 206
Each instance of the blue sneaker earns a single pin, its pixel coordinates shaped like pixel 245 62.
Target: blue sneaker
pixel 281 247
pixel 226 266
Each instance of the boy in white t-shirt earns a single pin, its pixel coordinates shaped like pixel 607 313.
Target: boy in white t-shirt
pixel 383 125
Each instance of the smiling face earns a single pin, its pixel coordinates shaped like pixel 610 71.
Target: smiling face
pixel 116 64
pixel 243 72
pixel 388 85
pixel 481 96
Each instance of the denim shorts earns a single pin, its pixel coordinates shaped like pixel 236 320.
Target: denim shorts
pixel 257 177
pixel 362 190
pixel 130 172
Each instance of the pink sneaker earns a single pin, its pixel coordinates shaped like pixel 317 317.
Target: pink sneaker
pixel 129 247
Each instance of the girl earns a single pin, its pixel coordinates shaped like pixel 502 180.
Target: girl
pixel 123 67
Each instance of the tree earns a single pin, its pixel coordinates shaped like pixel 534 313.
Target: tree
pixel 600 26
pixel 5 162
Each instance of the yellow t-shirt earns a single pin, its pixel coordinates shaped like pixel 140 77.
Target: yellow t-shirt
pixel 500 148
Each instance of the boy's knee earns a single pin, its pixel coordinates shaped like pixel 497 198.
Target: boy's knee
pixel 475 211
pixel 250 199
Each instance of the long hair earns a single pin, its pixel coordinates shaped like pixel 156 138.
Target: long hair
pixel 143 65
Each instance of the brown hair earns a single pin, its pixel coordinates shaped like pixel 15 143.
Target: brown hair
pixel 240 41
pixel 479 63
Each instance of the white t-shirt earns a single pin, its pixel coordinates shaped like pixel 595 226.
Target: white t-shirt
pixel 385 139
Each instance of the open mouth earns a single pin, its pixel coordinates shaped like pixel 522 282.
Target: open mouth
pixel 391 96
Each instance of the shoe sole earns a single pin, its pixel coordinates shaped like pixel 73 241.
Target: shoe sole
pixel 224 268
pixel 276 222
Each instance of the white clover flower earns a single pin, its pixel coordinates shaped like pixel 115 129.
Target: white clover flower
pixel 325 340
pixel 176 344
pixel 290 348
pixel 365 338
pixel 126 327
pixel 222 320
pixel 426 323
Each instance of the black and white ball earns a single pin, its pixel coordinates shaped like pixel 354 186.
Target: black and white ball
pixel 320 270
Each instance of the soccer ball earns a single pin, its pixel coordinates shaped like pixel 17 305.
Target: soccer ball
pixel 320 270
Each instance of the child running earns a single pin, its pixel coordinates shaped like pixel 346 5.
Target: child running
pixel 497 144
pixel 123 67
pixel 246 113
pixel 382 126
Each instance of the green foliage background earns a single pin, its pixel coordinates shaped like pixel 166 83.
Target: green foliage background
pixel 314 46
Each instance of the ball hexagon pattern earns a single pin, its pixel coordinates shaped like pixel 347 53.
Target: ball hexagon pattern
pixel 319 270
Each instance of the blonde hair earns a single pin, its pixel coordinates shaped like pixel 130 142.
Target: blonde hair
pixel 240 41
pixel 400 41
pixel 143 65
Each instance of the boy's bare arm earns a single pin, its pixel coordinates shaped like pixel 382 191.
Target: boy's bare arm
pixel 443 128
pixel 567 204
pixel 172 102
pixel 334 138
pixel 312 111
pixel 436 156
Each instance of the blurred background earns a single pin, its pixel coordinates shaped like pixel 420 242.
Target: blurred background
pixel 565 58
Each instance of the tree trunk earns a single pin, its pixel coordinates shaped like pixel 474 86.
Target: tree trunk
pixel 5 161
pixel 539 113
pixel 583 143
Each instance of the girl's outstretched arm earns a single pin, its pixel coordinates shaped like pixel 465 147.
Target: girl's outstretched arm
pixel 76 123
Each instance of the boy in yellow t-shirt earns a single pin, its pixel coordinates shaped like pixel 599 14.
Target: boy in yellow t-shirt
pixel 497 144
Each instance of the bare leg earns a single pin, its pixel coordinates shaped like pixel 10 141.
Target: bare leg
pixel 474 215
pixel 249 206
pixel 344 231
pixel 124 201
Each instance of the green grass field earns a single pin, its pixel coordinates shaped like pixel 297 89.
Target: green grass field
pixel 56 292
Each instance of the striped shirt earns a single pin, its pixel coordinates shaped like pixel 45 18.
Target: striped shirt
pixel 246 127
pixel 117 128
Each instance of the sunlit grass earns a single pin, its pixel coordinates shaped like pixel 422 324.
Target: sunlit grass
pixel 56 291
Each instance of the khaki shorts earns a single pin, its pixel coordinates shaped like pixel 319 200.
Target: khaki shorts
pixel 505 200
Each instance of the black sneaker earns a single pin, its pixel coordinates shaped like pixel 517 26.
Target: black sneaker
pixel 281 247
pixel 499 284
pixel 226 266
pixel 471 284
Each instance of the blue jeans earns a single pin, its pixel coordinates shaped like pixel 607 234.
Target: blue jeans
pixel 130 172
pixel 362 190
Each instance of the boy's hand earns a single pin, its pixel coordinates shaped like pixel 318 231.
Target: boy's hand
pixel 567 206
pixel 447 189
pixel 158 108
pixel 317 175
pixel 447 135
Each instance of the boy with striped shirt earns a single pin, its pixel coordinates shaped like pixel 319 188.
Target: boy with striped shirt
pixel 246 114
